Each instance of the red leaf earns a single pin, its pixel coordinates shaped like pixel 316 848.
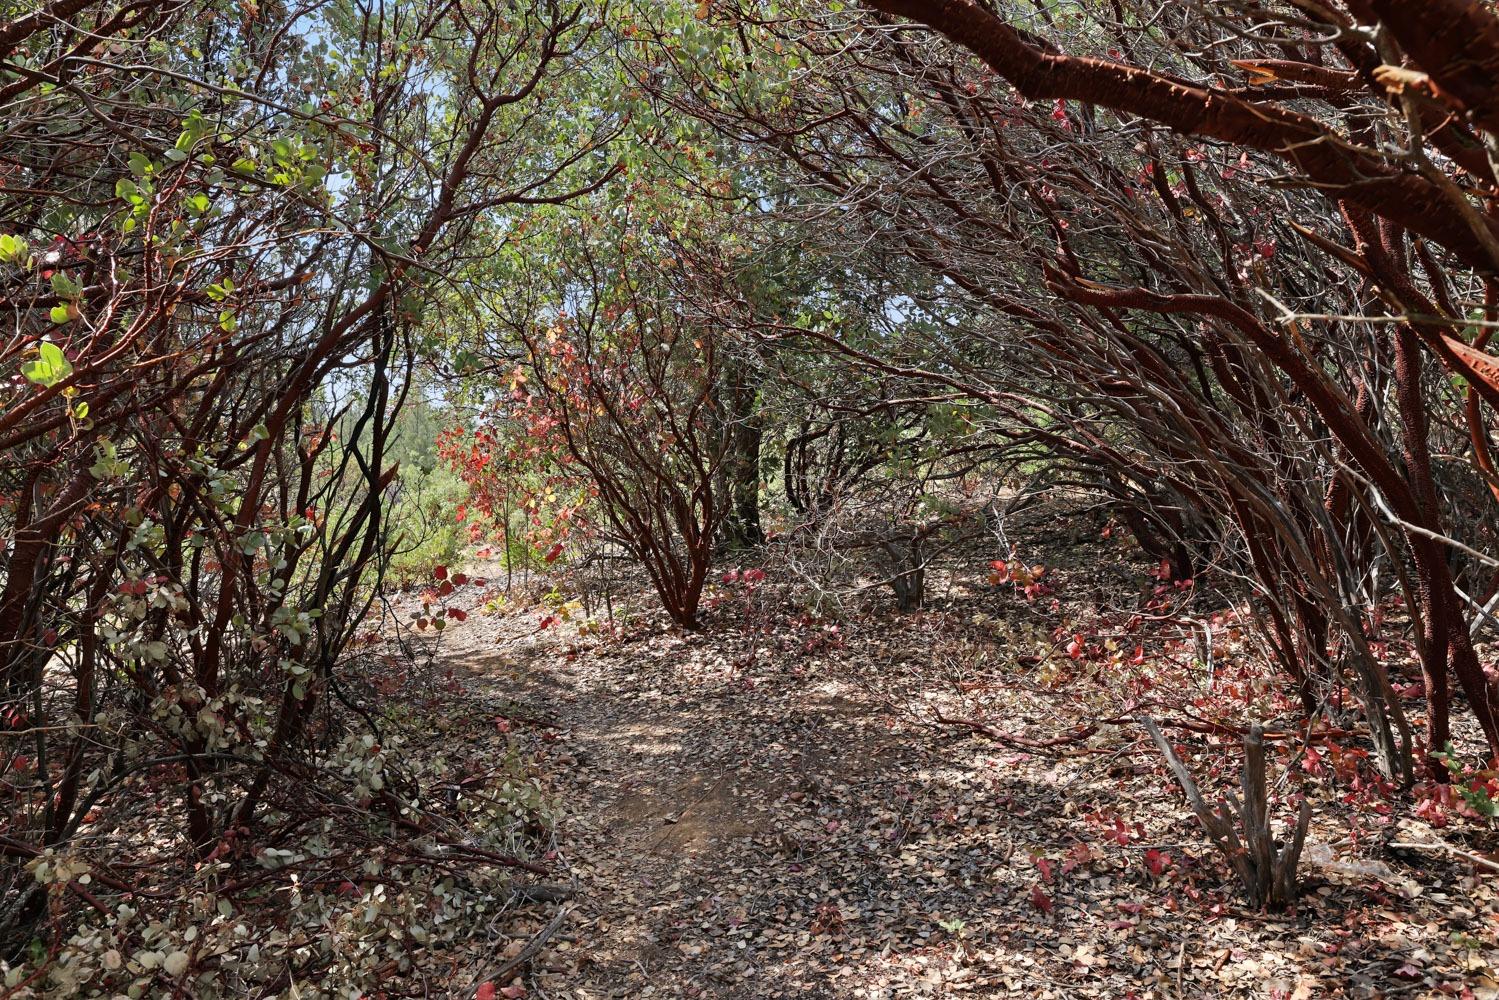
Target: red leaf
pixel 459 579
pixel 1079 855
pixel 485 992
pixel 1044 865
pixel 1039 899
pixel 553 553
pixel 1156 861
pixel 439 573
pixel 457 614
pixel 1312 763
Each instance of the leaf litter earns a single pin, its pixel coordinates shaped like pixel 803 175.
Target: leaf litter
pixel 743 818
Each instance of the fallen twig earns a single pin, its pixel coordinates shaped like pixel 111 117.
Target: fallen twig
pixel 531 950
pixel 1014 739
pixel 1447 848
pixel 1220 729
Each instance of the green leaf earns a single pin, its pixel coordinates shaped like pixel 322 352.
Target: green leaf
pixel 13 249
pixel 52 354
pixel 175 155
pixel 60 313
pixel 64 285
pixel 107 463
pixel 51 365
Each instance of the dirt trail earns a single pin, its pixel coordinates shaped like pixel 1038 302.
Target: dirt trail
pixel 695 797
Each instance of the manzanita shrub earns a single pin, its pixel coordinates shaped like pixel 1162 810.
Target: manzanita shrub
pixel 613 424
pixel 221 231
pixel 1263 349
pixel 524 489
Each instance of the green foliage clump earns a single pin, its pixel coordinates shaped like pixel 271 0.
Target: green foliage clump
pixel 422 524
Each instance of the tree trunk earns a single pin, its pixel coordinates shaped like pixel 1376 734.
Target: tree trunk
pixel 741 467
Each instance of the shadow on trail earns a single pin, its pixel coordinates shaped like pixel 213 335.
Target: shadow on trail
pixel 763 832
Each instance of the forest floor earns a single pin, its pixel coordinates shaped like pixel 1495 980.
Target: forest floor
pixel 770 807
